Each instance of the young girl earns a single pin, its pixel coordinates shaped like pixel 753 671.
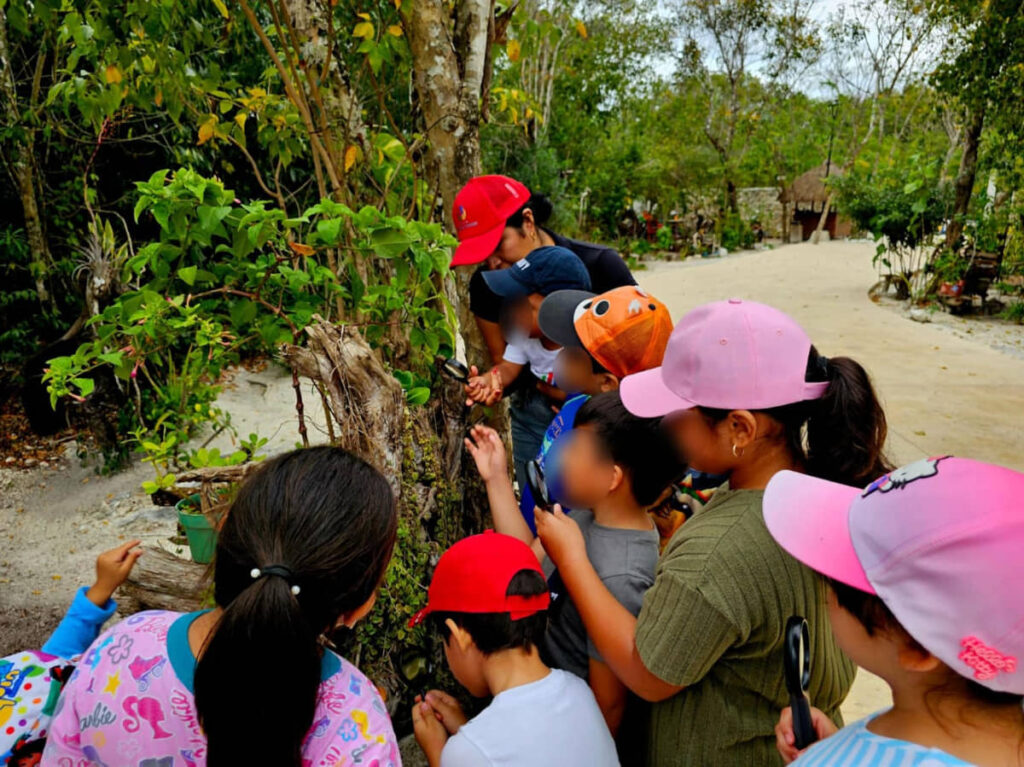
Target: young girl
pixel 302 551
pixel 926 594
pixel 743 381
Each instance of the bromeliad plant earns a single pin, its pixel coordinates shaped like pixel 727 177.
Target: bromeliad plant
pixel 226 279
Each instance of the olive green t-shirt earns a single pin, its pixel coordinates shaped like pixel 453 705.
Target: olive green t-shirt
pixel 714 622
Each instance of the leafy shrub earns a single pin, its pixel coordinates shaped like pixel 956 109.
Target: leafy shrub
pixel 227 278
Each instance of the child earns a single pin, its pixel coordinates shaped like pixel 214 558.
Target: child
pixel 489 600
pixel 615 467
pixel 522 288
pixel 604 338
pixel 926 594
pixel 31 681
pixel 744 382
pixel 302 551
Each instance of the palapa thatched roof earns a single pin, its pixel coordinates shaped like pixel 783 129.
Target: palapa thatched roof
pixel 808 189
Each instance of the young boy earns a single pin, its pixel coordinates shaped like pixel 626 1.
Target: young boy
pixel 31 681
pixel 604 338
pixel 489 599
pixel 522 288
pixel 615 466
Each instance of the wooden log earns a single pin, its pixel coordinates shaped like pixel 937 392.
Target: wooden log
pixel 162 581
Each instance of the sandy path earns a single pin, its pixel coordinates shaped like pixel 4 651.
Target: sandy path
pixel 943 394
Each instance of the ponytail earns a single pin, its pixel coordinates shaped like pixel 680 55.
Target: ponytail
pixel 306 541
pixel 846 429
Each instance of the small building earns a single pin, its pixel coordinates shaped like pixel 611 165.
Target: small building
pixel 806 198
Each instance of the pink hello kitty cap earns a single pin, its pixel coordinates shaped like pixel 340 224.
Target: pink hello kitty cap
pixel 730 354
pixel 940 541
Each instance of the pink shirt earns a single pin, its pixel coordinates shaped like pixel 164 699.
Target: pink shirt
pixel 130 702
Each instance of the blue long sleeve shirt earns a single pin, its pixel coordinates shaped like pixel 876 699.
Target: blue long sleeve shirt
pixel 79 627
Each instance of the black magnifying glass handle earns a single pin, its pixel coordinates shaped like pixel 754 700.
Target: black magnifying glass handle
pixel 538 486
pixel 797 667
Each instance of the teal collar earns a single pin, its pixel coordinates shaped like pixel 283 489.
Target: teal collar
pixel 184 662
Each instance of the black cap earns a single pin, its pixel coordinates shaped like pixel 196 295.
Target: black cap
pixel 557 316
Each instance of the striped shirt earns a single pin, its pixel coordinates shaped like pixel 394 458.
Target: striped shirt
pixel 856 746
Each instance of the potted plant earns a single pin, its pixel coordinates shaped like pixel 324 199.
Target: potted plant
pixel 200 527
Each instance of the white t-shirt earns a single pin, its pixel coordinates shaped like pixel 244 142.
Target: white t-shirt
pixel 531 350
pixel 554 722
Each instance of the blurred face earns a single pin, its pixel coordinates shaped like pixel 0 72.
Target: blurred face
pixel 574 372
pixel 588 473
pixel 522 314
pixel 706 446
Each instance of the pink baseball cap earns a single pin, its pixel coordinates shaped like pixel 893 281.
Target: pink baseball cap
pixel 940 541
pixel 731 355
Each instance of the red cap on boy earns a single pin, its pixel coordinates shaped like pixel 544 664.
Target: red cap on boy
pixel 474 574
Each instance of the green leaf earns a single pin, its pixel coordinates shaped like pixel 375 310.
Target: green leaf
pixel 389 243
pixel 418 395
pixel 85 385
pixel 328 229
pixel 187 274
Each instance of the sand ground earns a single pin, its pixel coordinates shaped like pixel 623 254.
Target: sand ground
pixel 949 386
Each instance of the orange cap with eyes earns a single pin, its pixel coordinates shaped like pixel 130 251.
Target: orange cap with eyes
pixel 625 329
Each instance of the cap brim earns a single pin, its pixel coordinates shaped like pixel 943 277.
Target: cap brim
pixel 419 617
pixel 810 518
pixel 557 314
pixel 475 250
pixel 503 283
pixel 646 395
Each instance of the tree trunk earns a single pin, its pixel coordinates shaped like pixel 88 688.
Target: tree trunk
pixel 824 218
pixel 964 184
pixel 450 81
pixel 22 164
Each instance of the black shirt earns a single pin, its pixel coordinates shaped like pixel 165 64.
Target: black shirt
pixel 606 267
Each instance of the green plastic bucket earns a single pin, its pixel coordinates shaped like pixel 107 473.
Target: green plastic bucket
pixel 201 534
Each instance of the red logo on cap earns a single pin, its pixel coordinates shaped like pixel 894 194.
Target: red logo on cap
pixel 986 661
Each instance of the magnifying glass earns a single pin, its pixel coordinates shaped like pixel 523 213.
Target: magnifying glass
pixel 538 486
pixel 797 666
pixel 452 368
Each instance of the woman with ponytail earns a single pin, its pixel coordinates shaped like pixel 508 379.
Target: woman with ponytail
pixel 301 553
pixel 746 395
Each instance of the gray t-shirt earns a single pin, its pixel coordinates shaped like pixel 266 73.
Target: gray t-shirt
pixel 553 722
pixel 625 562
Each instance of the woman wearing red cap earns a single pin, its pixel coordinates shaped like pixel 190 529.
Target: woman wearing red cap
pixel 499 222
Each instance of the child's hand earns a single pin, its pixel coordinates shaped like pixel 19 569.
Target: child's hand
pixel 447 710
pixel 429 731
pixel 488 453
pixel 784 738
pixel 112 568
pixel 561 537
pixel 484 389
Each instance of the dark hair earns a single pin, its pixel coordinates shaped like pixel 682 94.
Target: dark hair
pixel 646 453
pixel 876 618
pixel 846 428
pixel 596 367
pixel 493 632
pixel 541 207
pixel 329 518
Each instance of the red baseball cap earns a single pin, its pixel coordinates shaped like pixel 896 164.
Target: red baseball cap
pixel 474 574
pixel 480 211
